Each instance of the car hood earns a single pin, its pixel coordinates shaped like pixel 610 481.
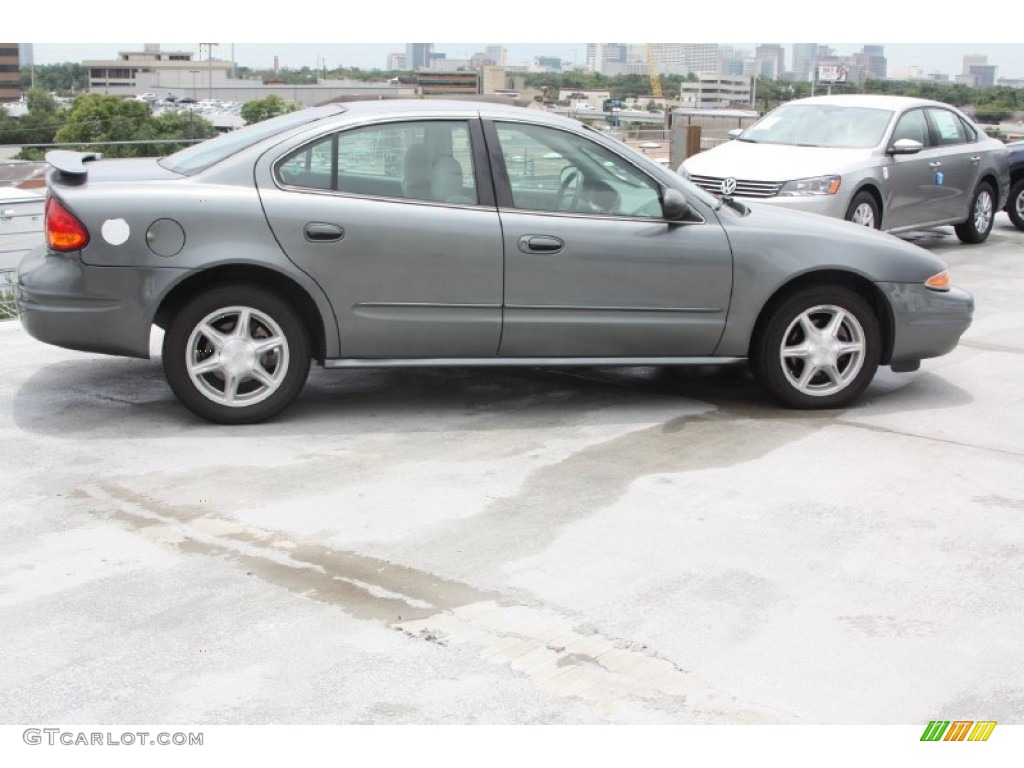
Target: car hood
pixel 774 162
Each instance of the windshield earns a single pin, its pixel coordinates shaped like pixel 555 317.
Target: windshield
pixel 821 125
pixel 203 155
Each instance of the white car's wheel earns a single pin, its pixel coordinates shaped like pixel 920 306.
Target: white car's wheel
pixel 818 349
pixel 236 355
pixel 979 221
pixel 864 211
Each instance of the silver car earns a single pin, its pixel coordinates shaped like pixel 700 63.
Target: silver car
pixel 412 233
pixel 888 162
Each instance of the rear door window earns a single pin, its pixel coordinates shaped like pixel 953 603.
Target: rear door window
pixel 949 128
pixel 428 160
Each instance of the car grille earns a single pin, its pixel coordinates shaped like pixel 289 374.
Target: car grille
pixel 744 187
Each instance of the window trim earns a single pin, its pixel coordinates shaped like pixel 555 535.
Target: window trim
pixel 928 128
pixel 936 136
pixel 481 175
pixel 503 183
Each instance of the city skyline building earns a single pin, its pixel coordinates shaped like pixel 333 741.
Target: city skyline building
pixel 684 58
pixel 601 56
pixel 10 72
pixel 418 55
pixel 984 75
pixel 874 60
pixel 770 60
pixel 805 57
pixel 497 55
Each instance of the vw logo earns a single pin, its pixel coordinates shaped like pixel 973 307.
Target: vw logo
pixel 728 186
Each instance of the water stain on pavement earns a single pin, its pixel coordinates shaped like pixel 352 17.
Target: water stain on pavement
pixel 560 657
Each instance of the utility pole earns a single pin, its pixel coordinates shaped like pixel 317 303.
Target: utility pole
pixel 209 61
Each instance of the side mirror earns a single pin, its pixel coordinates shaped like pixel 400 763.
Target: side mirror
pixel 674 206
pixel 735 133
pixel 905 147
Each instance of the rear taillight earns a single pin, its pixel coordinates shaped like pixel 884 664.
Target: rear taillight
pixel 63 231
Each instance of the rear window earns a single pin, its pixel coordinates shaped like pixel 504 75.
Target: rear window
pixel 207 153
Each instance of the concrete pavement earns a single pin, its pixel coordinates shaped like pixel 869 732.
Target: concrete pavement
pixel 536 546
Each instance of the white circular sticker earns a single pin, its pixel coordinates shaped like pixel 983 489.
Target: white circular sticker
pixel 115 231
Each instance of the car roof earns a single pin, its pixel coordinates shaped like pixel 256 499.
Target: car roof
pixel 871 101
pixel 412 107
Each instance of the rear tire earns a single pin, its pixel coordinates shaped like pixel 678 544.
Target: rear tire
pixel 236 355
pixel 979 220
pixel 818 349
pixel 1015 205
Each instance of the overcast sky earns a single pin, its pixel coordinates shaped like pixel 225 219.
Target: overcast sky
pixel 363 33
pixel 942 57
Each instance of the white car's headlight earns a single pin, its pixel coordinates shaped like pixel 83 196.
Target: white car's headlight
pixel 683 172
pixel 817 185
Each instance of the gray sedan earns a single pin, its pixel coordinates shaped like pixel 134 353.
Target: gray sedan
pixel 887 162
pixel 452 233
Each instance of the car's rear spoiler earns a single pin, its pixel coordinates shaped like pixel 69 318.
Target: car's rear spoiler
pixel 71 165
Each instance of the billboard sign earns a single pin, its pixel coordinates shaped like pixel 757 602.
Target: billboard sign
pixel 833 73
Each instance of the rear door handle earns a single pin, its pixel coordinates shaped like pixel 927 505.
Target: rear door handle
pixel 317 232
pixel 934 164
pixel 540 244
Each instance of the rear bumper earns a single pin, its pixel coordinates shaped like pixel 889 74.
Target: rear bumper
pixel 64 302
pixel 926 323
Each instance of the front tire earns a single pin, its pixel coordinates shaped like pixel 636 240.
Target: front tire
pixel 236 355
pixel 979 220
pixel 864 211
pixel 1015 206
pixel 819 348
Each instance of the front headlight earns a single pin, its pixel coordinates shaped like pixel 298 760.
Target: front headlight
pixel 683 172
pixel 817 185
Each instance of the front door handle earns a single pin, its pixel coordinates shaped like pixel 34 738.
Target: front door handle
pixel 540 244
pixel 934 164
pixel 318 232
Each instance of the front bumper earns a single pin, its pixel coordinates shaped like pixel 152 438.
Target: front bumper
pixel 826 205
pixel 64 302
pixel 926 323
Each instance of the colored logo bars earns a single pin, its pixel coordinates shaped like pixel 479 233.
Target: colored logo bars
pixel 958 730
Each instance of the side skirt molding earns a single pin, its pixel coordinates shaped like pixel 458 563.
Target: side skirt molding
pixel 510 362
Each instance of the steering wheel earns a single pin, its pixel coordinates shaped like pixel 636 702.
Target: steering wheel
pixel 602 198
pixel 572 180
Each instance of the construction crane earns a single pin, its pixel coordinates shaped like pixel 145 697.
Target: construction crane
pixel 652 71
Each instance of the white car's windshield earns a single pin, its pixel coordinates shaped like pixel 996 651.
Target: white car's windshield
pixel 820 125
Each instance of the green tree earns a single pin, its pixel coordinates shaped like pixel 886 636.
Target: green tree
pixel 96 118
pixel 259 110
pixel 65 79
pixel 37 126
pixel 41 103
pixel 180 125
